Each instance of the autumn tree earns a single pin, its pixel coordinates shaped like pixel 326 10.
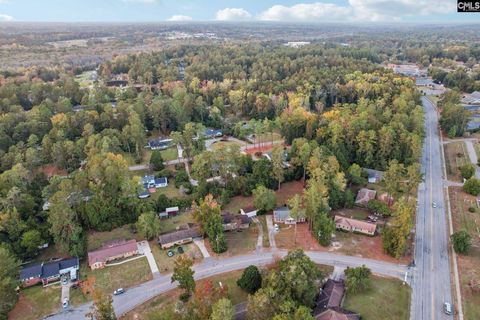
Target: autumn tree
pixel 207 214
pixel 183 273
pixel 264 199
pixel 223 310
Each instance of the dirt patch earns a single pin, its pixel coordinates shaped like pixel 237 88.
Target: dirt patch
pixel 288 190
pixel 285 238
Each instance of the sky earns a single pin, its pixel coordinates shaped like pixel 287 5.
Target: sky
pixel 351 11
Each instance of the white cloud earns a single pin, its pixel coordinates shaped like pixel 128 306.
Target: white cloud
pixel 179 17
pixel 357 10
pixel 5 17
pixel 317 11
pixel 141 1
pixel 232 14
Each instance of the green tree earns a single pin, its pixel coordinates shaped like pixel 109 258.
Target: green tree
pixel 296 211
pixel 278 164
pixel 156 161
pixel 355 175
pixel 467 170
pixel 183 273
pixel 223 310
pixel 31 240
pixel 264 199
pixel 358 279
pixel 102 308
pixel 9 270
pixel 392 178
pixel 472 186
pixel 207 214
pixel 251 279
pixel 461 241
pixel 148 225
pixel 323 228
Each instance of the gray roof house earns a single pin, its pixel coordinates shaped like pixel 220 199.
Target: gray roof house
pixel 282 215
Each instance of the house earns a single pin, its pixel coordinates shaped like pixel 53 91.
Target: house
pixel 329 301
pixel 249 211
pixel 116 83
pixel 337 313
pixel 169 212
pixel 160 144
pixel 179 237
pixel 374 176
pixel 282 215
pixel 79 107
pixel 212 133
pixel 148 181
pixel 161 182
pixel 364 195
pixel 112 250
pixel 472 126
pixel 49 272
pixel 354 225
pixel 235 222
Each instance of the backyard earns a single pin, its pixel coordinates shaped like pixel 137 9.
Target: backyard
pixel 96 239
pixel 385 299
pixel 463 219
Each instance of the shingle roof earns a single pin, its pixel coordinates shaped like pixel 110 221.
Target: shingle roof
pixel 331 295
pixel 68 263
pixel 337 313
pixel 33 271
pixel 282 212
pixel 191 232
pixel 364 195
pixel 51 269
pixel 105 253
pixel 356 224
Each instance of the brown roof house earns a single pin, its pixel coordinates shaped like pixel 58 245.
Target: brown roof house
pixel 112 250
pixel 354 225
pixel 364 195
pixel 179 237
pixel 329 301
pixel 235 222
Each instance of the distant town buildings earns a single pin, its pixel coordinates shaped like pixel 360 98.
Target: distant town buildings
pixel 296 44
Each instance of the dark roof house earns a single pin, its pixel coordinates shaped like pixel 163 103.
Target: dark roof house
pixel 329 301
pixel 49 272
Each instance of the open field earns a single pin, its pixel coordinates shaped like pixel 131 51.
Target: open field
pixel 238 242
pixel 168 154
pixel 36 302
pixel 222 144
pixel 468 264
pixel 385 299
pixel 455 156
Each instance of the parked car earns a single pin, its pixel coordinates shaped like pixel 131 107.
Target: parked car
pixel 64 280
pixel 434 204
pixel 277 228
pixel 447 308
pixel 180 250
pixel 118 291
pixel 170 253
pixel 65 303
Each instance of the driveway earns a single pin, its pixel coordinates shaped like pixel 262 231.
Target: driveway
pixel 200 243
pixel 271 232
pixel 65 292
pixel 260 233
pixel 144 248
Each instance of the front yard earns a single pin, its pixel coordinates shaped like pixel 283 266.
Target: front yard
pixel 385 299
pixel 468 264
pixel 455 157
pixel 165 263
pixel 238 242
pixel 36 302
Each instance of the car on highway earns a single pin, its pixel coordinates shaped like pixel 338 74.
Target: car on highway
pixel 447 308
pixel 434 204
pixel 65 303
pixel 118 291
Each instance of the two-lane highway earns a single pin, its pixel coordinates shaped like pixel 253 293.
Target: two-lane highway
pixel 431 283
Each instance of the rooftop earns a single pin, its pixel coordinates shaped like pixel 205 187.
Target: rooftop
pixel 111 249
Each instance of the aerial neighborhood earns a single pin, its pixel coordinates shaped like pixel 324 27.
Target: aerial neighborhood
pixel 221 171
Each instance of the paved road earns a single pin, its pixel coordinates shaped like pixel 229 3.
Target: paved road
pixel 136 296
pixel 431 283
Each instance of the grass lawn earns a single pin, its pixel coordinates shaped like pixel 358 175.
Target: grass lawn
pixel 170 224
pixel 169 154
pixel 467 264
pixel 240 242
pixel 265 238
pixel 165 263
pixel 125 275
pixel 37 302
pixel 386 299
pixel 455 156
pixel 238 202
pixel 165 303
pixel 267 137
pixel 170 191
pixel 95 239
pixel 221 144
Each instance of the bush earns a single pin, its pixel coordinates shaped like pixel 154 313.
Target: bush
pixel 472 209
pixel 251 280
pixel 467 170
pixel 472 186
pixel 461 241
pixel 167 173
pixel 156 161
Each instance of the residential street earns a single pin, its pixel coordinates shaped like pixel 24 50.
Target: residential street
pixel 148 290
pixel 432 281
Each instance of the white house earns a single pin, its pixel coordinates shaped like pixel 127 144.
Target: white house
pixel 249 212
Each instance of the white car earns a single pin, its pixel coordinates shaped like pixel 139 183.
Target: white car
pixel 277 228
pixel 447 308
pixel 434 204
pixel 118 291
pixel 65 303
